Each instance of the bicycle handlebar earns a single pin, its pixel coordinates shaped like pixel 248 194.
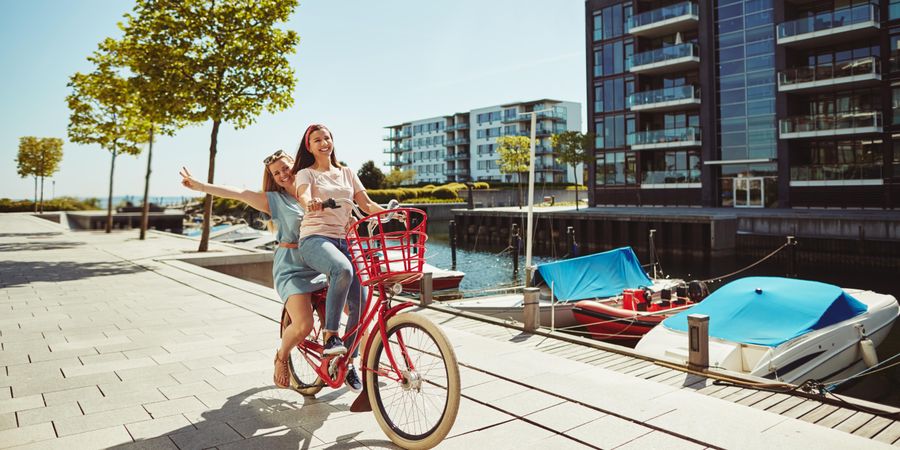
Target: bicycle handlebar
pixel 333 204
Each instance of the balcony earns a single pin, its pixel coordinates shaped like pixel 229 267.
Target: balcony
pixel 667 99
pixel 459 141
pixel 675 58
pixel 458 126
pixel 392 150
pixel 666 20
pixel 555 114
pixel 555 167
pixel 542 150
pixel 798 127
pixel 391 137
pixel 463 171
pixel 406 146
pixel 396 163
pixel 669 138
pixel 830 27
pixel 859 73
pixel 457 157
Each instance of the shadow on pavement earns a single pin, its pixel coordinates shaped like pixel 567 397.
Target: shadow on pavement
pixel 33 246
pixel 265 417
pixel 45 234
pixel 18 273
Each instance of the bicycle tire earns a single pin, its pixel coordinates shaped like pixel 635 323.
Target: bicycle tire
pixel 427 346
pixel 304 379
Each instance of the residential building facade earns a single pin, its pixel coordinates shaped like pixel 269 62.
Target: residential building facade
pixel 744 103
pixel 463 146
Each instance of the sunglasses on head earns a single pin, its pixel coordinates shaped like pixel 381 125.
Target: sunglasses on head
pixel 274 156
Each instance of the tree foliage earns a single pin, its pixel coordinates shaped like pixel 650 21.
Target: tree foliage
pixel 399 177
pixel 515 156
pixel 370 175
pixel 573 148
pixel 226 60
pixel 105 111
pixel 38 158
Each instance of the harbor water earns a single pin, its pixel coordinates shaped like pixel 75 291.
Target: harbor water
pixel 493 268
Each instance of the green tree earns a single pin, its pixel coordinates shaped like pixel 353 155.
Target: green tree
pixel 104 111
pixel 156 104
pixel 227 59
pixel 515 157
pixel 573 148
pixel 371 176
pixel 399 177
pixel 40 158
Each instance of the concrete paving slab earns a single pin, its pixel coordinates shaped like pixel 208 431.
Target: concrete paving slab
pixel 96 421
pixel 150 429
pixel 48 413
pixel 26 434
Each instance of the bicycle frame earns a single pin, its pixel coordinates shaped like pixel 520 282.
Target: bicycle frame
pixel 333 369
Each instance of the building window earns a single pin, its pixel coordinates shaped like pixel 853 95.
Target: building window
pixel 837 160
pixel 670 167
pixel 616 168
pixel 598 27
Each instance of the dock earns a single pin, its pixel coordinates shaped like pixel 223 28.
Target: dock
pixel 109 341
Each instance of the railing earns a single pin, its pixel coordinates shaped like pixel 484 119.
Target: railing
pixel 457 156
pixel 663 95
pixel 828 172
pixel 542 150
pixel 671 176
pixel 828 20
pixel 665 54
pixel 406 146
pixel 550 167
pixel 664 13
pixel 831 122
pixel 458 126
pixel 863 66
pixel 390 137
pixel 459 141
pixel 671 135
pixel 458 172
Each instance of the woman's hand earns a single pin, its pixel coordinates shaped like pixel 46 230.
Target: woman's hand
pixel 314 205
pixel 188 181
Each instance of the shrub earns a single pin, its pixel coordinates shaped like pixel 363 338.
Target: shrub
pixel 444 192
pixel 482 185
pixel 56 204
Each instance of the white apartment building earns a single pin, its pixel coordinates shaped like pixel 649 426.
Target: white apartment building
pixel 463 146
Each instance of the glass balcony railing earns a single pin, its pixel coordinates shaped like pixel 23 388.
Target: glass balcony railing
pixel 664 13
pixel 460 141
pixel 865 66
pixel 670 176
pixel 457 156
pixel 666 54
pixel 667 136
pixel 843 123
pixel 406 146
pixel 829 20
pixel 663 95
pixel 458 126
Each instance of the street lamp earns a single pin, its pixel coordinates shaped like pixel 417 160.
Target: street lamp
pixel 528 243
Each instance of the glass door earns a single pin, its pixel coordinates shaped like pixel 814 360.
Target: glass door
pixel 749 192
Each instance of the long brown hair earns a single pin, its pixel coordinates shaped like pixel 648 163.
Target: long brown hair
pixel 269 185
pixel 305 158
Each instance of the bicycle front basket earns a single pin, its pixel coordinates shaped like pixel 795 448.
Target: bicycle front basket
pixel 389 252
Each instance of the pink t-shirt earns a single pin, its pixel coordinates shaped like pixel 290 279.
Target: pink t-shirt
pixel 334 184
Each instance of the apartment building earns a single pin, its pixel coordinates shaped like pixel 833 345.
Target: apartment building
pixel 744 103
pixel 463 146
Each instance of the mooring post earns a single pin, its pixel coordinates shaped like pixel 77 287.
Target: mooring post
pixel 426 285
pixel 698 341
pixel 792 256
pixel 531 315
pixel 516 243
pixel 570 242
pixel 453 245
pixel 529 276
pixel 653 252
pixel 470 202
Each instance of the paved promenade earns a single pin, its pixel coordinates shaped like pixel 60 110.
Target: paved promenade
pixel 109 341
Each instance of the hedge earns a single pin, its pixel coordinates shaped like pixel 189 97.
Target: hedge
pixel 56 204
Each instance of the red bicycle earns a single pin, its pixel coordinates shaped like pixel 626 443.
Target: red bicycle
pixel 409 369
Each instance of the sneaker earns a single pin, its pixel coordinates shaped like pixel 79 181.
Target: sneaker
pixel 352 380
pixel 334 346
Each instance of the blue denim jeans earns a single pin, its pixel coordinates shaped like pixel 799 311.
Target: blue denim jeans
pixel 331 257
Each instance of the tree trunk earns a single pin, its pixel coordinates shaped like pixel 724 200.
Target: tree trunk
pixel 145 214
pixel 109 205
pixel 35 194
pixel 575 175
pixel 207 201
pixel 42 194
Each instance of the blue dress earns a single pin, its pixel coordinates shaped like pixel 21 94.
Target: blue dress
pixel 290 274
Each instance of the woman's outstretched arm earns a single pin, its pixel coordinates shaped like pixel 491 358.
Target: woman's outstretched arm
pixel 257 200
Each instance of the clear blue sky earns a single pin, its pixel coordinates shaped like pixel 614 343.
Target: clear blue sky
pixel 360 65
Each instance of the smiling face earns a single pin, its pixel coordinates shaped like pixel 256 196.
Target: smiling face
pixel 280 169
pixel 321 145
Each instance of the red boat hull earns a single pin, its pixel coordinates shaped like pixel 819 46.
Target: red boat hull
pixel 611 323
pixel 438 283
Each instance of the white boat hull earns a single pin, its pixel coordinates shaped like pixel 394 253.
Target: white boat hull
pixel 828 354
pixel 510 307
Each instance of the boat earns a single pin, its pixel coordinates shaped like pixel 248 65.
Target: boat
pixel 783 329
pixel 600 276
pixel 629 316
pixel 441 279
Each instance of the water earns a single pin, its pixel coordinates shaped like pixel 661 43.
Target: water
pixel 487 270
pixel 139 199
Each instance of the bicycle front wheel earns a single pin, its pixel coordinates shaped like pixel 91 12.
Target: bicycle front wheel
pixel 418 410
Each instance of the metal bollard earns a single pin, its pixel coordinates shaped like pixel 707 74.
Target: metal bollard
pixel 698 341
pixel 426 287
pixel 532 314
pixel 529 276
pixel 516 243
pixel 453 245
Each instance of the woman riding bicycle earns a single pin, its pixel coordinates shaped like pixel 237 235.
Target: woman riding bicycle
pixel 323 246
pixel 294 281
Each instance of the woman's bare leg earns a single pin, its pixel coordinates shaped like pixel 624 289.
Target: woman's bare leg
pixel 300 311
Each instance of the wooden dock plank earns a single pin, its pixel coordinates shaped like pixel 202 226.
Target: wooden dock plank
pixel 802 409
pixel 785 405
pixel 873 427
pixel 835 418
pixel 755 398
pixel 819 413
pixel 854 422
pixel 889 435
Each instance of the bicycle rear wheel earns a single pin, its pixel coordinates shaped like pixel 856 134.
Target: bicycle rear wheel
pixel 419 410
pixel 304 379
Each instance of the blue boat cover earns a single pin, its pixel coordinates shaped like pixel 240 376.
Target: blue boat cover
pixel 770 310
pixel 594 276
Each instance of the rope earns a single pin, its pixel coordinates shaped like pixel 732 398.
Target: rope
pixel 720 278
pixel 868 371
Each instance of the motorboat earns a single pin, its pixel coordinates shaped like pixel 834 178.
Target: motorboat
pixel 783 329
pixel 627 317
pixel 600 276
pixel 441 279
